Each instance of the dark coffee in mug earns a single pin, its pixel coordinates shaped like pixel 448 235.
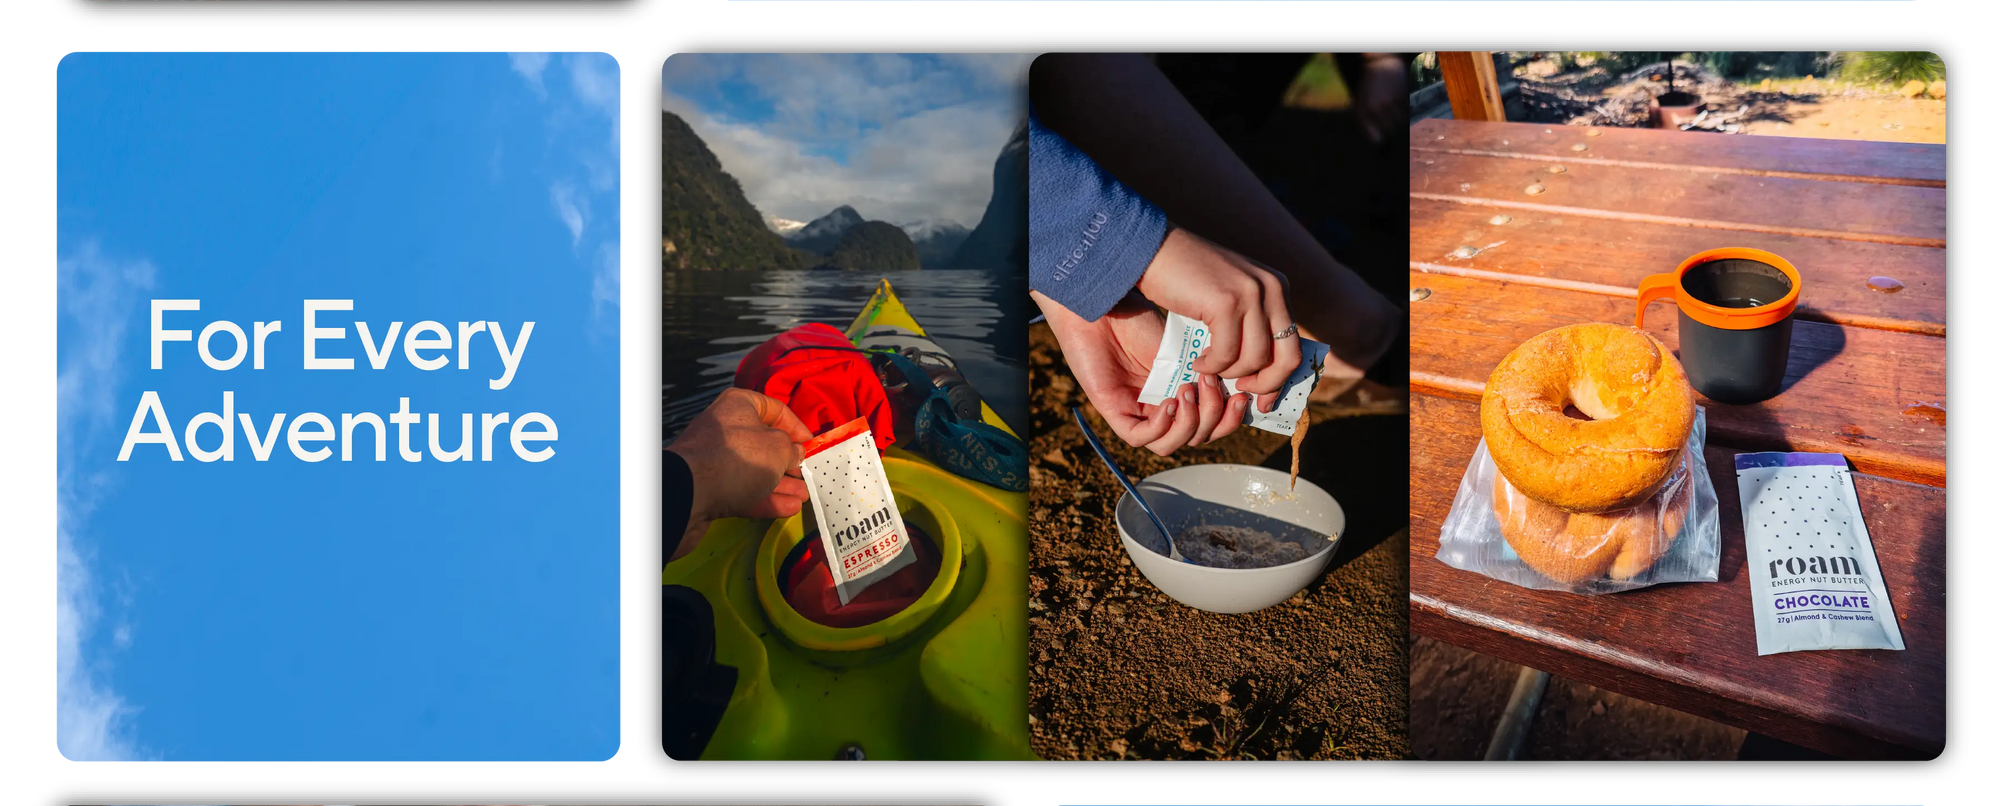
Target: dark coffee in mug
pixel 1736 283
pixel 1736 308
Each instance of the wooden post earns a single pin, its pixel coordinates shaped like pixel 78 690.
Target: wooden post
pixel 1472 84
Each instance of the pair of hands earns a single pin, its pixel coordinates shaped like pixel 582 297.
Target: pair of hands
pixel 743 452
pixel 1243 304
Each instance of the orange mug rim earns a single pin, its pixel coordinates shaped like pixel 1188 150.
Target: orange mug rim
pixel 1737 318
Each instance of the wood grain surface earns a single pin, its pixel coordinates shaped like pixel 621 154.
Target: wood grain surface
pixel 1533 245
pixel 1472 84
pixel 1920 164
pixel 1693 646
pixel 1900 214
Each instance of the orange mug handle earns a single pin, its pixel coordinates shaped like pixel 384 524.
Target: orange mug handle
pixel 1654 288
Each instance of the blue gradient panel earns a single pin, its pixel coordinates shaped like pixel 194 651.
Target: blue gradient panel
pixel 286 609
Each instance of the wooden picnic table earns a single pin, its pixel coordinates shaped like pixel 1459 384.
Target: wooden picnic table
pixel 1866 380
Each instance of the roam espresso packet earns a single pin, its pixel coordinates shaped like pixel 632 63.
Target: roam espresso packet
pixel 859 526
pixel 1814 581
pixel 1186 339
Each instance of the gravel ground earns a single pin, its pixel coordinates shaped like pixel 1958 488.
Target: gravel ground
pixel 1118 670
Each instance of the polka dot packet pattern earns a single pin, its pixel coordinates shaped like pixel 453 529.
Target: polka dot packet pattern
pixel 1186 339
pixel 859 525
pixel 1814 581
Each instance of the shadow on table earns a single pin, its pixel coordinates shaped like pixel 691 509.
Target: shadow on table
pixel 1814 345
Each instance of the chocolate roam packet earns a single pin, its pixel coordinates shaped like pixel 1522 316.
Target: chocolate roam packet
pixel 1814 580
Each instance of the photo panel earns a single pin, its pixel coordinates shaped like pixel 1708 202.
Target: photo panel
pixel 843 252
pixel 1677 358
pixel 1223 341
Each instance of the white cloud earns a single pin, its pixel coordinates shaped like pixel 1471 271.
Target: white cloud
pixel 1008 71
pixel 574 210
pixel 530 66
pixel 604 282
pixel 594 77
pixel 581 119
pixel 919 135
pixel 99 295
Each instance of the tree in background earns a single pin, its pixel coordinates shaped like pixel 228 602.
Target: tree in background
pixel 1892 66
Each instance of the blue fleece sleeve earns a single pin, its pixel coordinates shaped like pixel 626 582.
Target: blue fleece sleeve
pixel 1090 236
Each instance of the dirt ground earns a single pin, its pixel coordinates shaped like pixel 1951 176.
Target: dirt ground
pixel 1853 115
pixel 1792 107
pixel 1456 696
pixel 1118 670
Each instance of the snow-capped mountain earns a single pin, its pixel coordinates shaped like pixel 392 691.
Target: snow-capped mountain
pixel 820 234
pixel 937 241
pixel 920 230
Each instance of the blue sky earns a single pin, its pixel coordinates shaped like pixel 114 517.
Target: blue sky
pixel 338 610
pixel 902 137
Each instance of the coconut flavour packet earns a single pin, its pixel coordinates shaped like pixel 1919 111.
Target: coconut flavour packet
pixel 859 526
pixel 1187 338
pixel 1814 580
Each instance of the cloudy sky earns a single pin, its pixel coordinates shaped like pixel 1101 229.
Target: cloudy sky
pixel 901 137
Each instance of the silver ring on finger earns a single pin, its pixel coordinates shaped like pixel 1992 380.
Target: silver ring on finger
pixel 1289 332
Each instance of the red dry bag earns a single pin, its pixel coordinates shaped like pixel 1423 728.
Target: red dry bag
pixel 822 377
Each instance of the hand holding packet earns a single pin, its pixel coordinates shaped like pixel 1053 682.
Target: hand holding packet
pixel 1186 339
pixel 859 525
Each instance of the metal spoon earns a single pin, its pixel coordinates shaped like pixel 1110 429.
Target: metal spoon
pixel 1116 473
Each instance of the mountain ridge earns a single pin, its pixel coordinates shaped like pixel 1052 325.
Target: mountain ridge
pixel 706 221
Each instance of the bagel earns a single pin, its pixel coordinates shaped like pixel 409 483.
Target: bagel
pixel 1572 548
pixel 1640 406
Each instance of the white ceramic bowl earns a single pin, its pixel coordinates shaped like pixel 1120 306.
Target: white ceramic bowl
pixel 1230 495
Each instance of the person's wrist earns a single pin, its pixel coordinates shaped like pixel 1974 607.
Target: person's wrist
pixel 701 503
pixel 690 537
pixel 1171 245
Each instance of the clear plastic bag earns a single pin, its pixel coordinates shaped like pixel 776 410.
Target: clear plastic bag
pixel 1679 530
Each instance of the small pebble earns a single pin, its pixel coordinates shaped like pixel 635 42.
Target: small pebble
pixel 1417 294
pixel 1556 169
pixel 1579 147
pixel 1593 133
pixel 1465 252
pixel 1498 220
pixel 1535 190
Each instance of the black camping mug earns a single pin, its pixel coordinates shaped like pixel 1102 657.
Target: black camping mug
pixel 1736 309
